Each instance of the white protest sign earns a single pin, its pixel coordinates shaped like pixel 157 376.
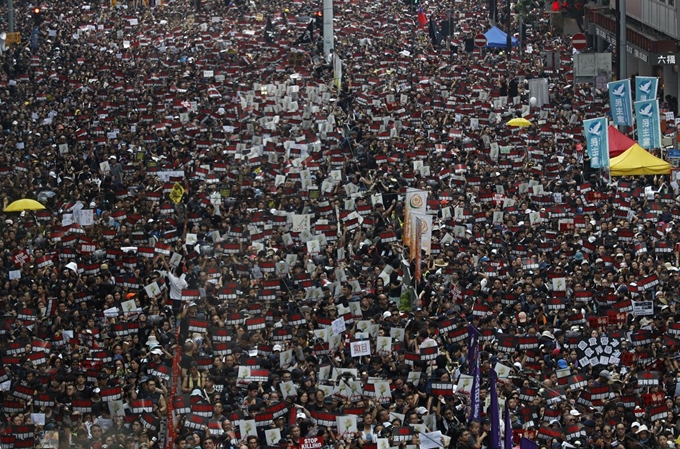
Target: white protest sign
pixel 360 348
pixel 338 326
pixel 84 217
pixel 643 308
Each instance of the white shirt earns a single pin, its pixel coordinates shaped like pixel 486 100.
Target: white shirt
pixel 177 284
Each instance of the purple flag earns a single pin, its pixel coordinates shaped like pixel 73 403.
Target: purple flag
pixel 474 370
pixel 508 427
pixel 475 406
pixel 525 443
pixel 495 415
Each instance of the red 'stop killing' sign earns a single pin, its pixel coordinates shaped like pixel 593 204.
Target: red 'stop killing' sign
pixel 311 443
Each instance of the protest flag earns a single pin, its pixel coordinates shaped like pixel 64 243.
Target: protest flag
pixel 269 32
pixel 473 370
pixel 307 35
pixel 435 35
pixel 646 87
pixel 422 19
pixel 416 201
pixel 621 102
pixel 495 417
pixel 649 123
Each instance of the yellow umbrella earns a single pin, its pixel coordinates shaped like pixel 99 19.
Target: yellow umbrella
pixel 22 205
pixel 519 122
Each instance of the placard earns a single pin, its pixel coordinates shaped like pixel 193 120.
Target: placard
pixel 643 308
pixel 360 348
pixel 338 326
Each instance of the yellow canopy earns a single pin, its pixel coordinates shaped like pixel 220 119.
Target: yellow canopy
pixel 22 205
pixel 519 122
pixel 636 161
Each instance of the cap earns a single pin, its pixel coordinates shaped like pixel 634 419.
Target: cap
pixel 606 374
pixel 575 413
pixel 643 428
pixel 589 423
pixel 157 351
pixel 421 411
pixel 386 314
pixel 277 348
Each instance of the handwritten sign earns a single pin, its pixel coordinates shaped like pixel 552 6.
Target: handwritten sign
pixel 338 326
pixel 360 348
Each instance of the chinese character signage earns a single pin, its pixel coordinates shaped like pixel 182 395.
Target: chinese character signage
pixel 645 87
pixel 597 139
pixel 665 59
pixel 360 348
pixel 621 102
pixel 648 124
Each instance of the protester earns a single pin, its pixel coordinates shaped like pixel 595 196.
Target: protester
pixel 223 229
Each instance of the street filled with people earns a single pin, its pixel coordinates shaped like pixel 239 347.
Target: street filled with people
pixel 219 260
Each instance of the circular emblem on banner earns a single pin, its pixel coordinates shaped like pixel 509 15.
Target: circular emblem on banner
pixel 416 201
pixel 424 227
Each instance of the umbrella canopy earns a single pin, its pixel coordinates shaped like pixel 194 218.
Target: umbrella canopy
pixel 23 204
pixel 497 38
pixel 638 162
pixel 619 143
pixel 519 122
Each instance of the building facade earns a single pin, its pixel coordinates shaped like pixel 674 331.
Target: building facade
pixel 653 31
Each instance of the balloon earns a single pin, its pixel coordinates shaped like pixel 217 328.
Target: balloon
pixel 533 101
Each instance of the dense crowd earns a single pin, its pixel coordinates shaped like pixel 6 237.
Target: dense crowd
pixel 220 262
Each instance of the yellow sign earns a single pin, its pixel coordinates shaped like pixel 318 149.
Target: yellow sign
pixel 177 193
pixel 13 38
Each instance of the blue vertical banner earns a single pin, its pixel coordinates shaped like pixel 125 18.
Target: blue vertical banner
pixel 621 102
pixel 597 140
pixel 494 412
pixel 34 43
pixel 646 87
pixel 648 124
